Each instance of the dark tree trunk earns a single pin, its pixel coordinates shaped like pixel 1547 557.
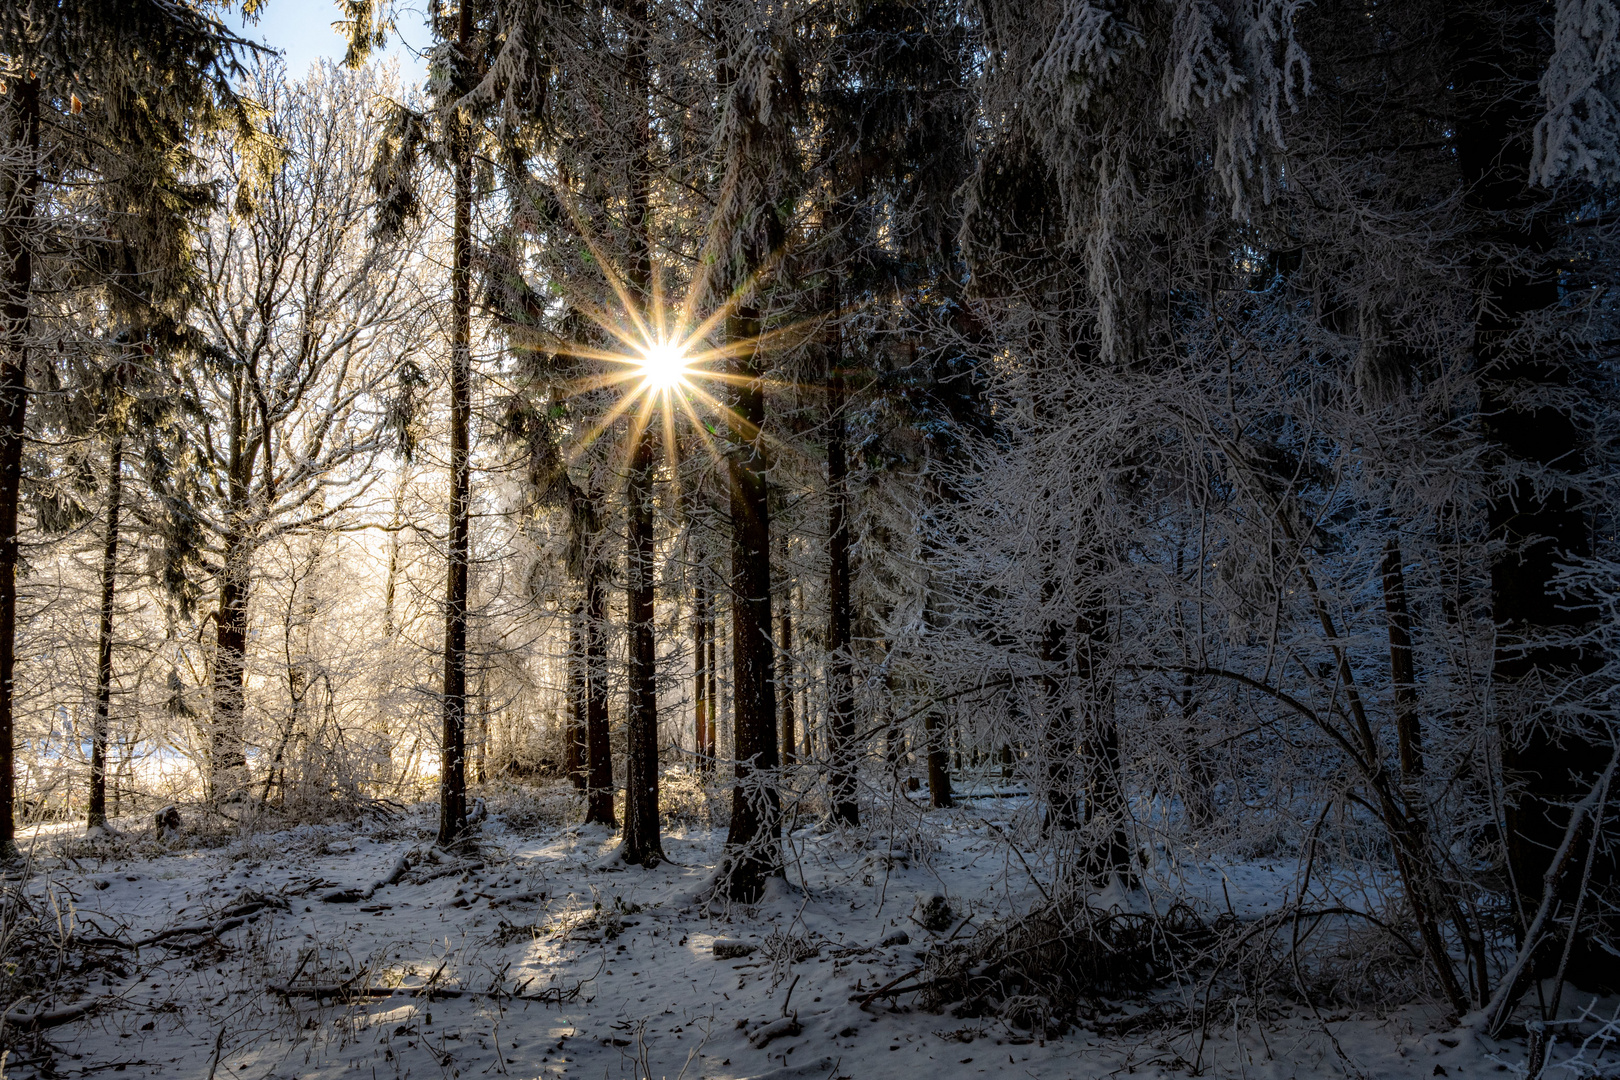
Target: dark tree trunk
pixel 1062 789
pixel 806 718
pixel 840 734
pixel 711 729
pixel 598 751
pixel 574 734
pixel 481 742
pixel 1408 735
pixel 700 672
pixel 1105 799
pixel 894 735
pixel 21 193
pixel 751 841
pixel 785 684
pixel 936 733
pixel 1501 55
pixel 939 769
pixel 227 746
pixel 97 815
pixel 453 739
pixel 1199 796
pixel 642 844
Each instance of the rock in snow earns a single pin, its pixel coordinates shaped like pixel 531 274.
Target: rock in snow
pixel 730 949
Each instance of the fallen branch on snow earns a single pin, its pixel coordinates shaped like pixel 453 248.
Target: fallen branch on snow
pixel 343 992
pixel 49 1018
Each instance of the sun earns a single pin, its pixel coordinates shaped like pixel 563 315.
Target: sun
pixel 663 365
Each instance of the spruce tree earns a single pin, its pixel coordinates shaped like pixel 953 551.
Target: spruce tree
pixel 109 100
pixel 452 133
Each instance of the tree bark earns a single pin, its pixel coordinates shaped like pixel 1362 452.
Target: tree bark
pixel 935 731
pixel 453 740
pixel 481 742
pixel 806 717
pixel 1408 735
pixel 785 679
pixel 227 746
pixel 712 728
pixel 700 672
pixel 1500 57
pixel 598 751
pixel 1105 799
pixel 752 843
pixel 574 733
pixel 97 815
pixel 17 214
pixel 939 769
pixel 1063 809
pixel 840 733
pixel 642 844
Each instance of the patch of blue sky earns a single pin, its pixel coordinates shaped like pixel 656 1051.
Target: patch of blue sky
pixel 302 31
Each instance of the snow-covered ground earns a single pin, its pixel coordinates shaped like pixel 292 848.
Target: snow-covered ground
pixel 543 956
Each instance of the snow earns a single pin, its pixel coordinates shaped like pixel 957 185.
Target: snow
pixel 569 963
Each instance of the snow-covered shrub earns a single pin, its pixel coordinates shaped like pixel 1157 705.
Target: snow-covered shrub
pixel 1046 967
pixel 532 808
pixel 689 799
pixel 49 959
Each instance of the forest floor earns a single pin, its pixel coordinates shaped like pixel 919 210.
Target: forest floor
pixel 544 956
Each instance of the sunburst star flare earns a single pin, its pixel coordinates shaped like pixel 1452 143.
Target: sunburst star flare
pixel 663 365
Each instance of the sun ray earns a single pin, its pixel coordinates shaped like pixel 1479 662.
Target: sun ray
pixel 620 407
pixel 702 430
pixel 661 358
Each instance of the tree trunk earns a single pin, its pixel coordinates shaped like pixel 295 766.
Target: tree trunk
pixel 1544 770
pixel 227 737
pixel 1062 791
pixel 751 841
pixel 806 717
pixel 97 816
pixel 785 680
pixel 17 213
pixel 1105 802
pixel 935 730
pixel 840 732
pixel 575 725
pixel 711 729
pixel 481 742
pixel 1105 799
pixel 598 751
pixel 939 770
pixel 725 745
pixel 700 672
pixel 642 845
pixel 391 583
pixel 453 741
pixel 1408 735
